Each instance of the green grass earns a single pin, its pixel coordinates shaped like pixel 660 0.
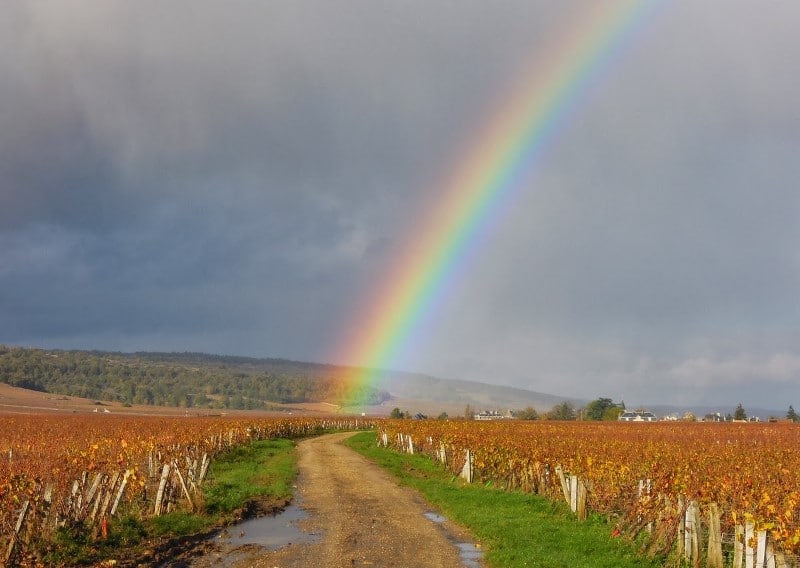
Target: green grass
pixel 262 471
pixel 515 529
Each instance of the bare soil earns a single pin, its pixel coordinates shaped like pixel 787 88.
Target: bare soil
pixel 363 516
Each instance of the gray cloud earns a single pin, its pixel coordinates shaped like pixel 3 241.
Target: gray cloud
pixel 233 178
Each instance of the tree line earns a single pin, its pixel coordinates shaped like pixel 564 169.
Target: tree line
pixel 190 380
pixel 607 409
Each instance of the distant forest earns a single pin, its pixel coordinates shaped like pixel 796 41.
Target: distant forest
pixel 190 380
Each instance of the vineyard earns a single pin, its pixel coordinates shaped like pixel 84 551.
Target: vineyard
pixel 708 494
pixel 61 472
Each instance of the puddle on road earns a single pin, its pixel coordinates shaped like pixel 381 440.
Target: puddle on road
pixel 276 531
pixel 271 532
pixel 469 553
pixel 435 517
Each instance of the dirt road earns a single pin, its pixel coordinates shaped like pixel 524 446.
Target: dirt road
pixel 363 516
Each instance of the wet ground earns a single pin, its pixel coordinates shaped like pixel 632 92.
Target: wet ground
pixel 348 512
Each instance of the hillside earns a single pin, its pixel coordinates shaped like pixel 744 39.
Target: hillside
pixel 198 380
pixel 479 395
pixel 176 379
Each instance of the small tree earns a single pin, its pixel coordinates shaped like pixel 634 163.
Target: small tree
pixel 792 415
pixel 613 413
pixel 527 413
pixel 597 408
pixel 469 412
pixel 739 413
pixel 396 413
pixel 562 411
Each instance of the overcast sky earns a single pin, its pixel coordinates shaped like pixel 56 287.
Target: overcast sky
pixel 232 177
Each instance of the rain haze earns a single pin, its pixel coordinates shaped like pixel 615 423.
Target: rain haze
pixel 234 178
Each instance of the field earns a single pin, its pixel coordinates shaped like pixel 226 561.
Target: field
pixel 692 487
pixel 79 471
pixel 652 479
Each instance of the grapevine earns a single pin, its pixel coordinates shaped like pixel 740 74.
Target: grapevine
pixel 637 473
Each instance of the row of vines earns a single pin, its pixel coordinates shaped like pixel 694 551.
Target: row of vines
pixel 654 480
pixel 67 471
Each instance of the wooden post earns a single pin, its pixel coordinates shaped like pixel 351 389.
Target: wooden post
pixel 108 494
pixel 161 485
pixel 714 537
pixel 194 469
pixel 47 502
pixel 531 480
pixel 97 501
pixel 761 548
pixel 644 490
pixel 564 485
pixel 95 495
pixel 582 496
pixel 694 512
pixel 203 468
pixel 687 535
pixel 75 500
pixel 573 493
pixel 466 471
pixel 119 493
pixel 183 486
pixel 691 536
pixel 738 547
pixel 93 488
pixel 544 478
pixel 681 527
pixel 749 552
pixel 15 536
pixel 772 558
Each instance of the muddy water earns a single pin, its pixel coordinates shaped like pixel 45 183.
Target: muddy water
pixel 240 542
pixel 271 532
pixel 470 554
pixel 243 543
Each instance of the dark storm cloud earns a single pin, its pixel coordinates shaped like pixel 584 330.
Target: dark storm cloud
pixel 231 178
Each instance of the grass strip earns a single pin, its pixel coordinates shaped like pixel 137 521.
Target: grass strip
pixel 264 469
pixel 259 472
pixel 515 529
pixel 262 472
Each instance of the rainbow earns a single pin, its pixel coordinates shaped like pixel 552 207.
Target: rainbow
pixel 503 157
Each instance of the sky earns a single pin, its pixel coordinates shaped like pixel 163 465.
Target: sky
pixel 234 178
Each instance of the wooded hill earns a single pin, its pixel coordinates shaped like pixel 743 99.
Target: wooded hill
pixel 190 380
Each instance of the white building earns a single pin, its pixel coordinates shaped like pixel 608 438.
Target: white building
pixel 637 416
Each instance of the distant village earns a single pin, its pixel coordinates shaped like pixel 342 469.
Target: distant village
pixel 604 409
pixel 640 415
pixel 643 415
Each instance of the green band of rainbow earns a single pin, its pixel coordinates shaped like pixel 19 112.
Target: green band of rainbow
pixel 502 159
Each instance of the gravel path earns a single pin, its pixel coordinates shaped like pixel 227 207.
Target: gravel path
pixel 363 516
